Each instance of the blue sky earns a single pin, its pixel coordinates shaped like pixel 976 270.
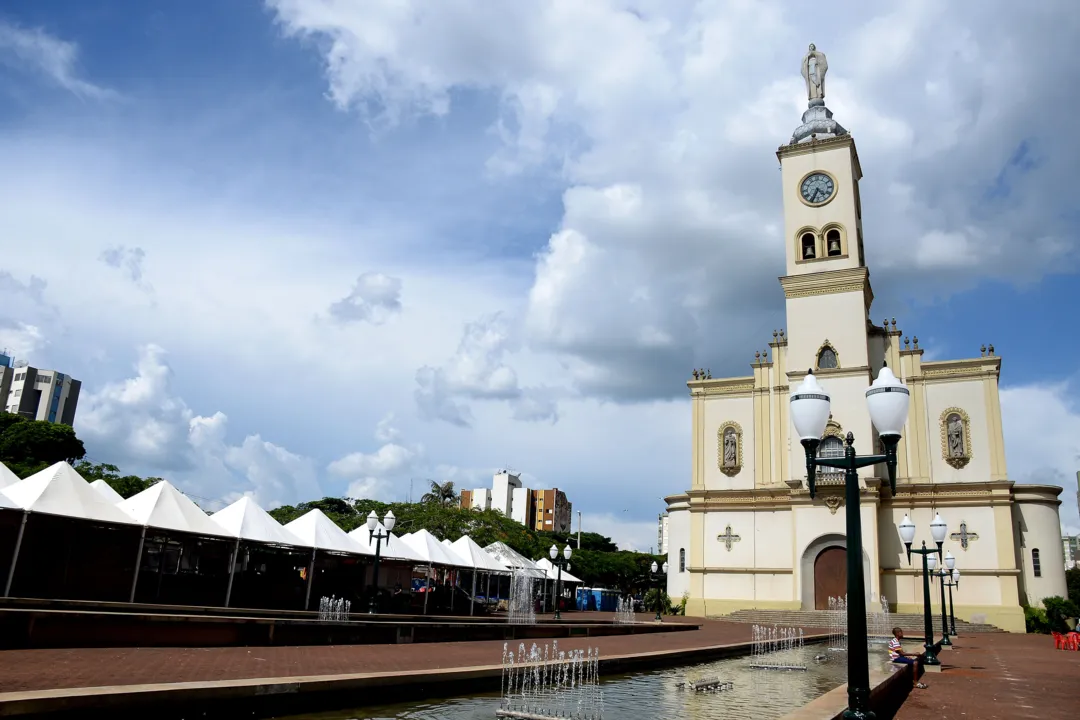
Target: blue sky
pixel 503 204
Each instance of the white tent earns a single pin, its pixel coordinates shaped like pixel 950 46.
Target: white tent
pixel 245 520
pixel 318 531
pixel 553 573
pixel 475 556
pixel 59 490
pixel 431 550
pixel 391 549
pixel 6 476
pixel 6 502
pixel 506 555
pixel 163 506
pixel 107 492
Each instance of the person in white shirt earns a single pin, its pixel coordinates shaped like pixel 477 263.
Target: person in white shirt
pixel 898 656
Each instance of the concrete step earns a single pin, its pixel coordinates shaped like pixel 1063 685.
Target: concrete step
pixel 909 622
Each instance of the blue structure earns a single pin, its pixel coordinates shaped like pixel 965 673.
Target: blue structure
pixel 597 599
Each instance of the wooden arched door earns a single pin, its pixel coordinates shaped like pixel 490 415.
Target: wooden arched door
pixel 830 576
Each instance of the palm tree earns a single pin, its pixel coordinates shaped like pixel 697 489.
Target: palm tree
pixel 441 493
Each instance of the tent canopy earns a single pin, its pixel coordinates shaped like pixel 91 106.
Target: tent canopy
pixel 553 573
pixel 245 520
pixel 107 492
pixel 319 531
pixel 391 549
pixel 59 490
pixel 163 506
pixel 7 477
pixel 6 502
pixel 475 557
pixel 506 555
pixel 430 549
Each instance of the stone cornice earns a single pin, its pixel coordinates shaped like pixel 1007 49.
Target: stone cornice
pixel 829 282
pixel 805 148
pixel 1022 492
pixel 991 492
pixel 796 376
pixel 742 570
pixel 754 499
pixel 722 386
pixel 969 368
pixel 967 572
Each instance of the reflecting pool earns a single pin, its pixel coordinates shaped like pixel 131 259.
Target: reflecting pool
pixel 656 695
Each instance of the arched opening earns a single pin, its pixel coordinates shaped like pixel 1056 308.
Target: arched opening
pixel 807 573
pixel 830 576
pixel 826 359
pixel 833 246
pixel 808 243
pixel 830 447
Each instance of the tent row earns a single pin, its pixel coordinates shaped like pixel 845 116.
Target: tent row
pixel 70 535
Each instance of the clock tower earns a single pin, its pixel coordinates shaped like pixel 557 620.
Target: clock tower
pixel 827 285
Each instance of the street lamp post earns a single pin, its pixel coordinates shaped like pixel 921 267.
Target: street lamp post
pixel 559 562
pixel 944 572
pixel 887 400
pixel 659 577
pixel 378 536
pixel 955 575
pixel 938 529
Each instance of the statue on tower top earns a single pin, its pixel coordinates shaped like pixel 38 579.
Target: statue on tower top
pixel 814 67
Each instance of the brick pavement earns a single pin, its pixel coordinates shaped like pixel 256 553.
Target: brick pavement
pixel 95 667
pixel 999 676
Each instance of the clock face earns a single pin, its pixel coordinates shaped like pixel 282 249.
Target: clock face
pixel 817 188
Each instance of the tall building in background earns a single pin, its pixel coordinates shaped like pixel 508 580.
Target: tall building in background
pixel 502 491
pixel 1071 546
pixel 524 510
pixel 662 534
pixel 37 394
pixel 552 511
pixel 479 499
pixel 538 509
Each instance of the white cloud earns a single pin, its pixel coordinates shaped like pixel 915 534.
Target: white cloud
pixel 1042 440
pixel 375 299
pixel 43 53
pixel 127 260
pixel 21 341
pixel 627 534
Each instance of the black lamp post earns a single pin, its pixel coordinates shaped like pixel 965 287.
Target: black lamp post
pixel 559 562
pixel 887 400
pixel 944 572
pixel 938 529
pixel 954 584
pixel 659 577
pixel 378 534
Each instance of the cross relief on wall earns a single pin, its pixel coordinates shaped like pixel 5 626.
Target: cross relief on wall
pixel 727 538
pixel 964 536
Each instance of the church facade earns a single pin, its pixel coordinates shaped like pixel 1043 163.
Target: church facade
pixel 747 535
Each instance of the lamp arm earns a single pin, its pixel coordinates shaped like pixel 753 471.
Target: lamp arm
pixel 812 462
pixel 908 546
pixel 890 442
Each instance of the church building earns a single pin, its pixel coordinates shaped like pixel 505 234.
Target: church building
pixel 747 534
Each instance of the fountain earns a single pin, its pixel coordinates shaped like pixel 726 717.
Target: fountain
pixel 521 609
pixel 333 609
pixel 773 648
pixel 624 611
pixel 551 684
pixel 878 624
pixel 838 623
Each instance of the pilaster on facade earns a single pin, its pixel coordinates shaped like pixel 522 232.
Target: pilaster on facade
pixel 780 428
pixel 763 382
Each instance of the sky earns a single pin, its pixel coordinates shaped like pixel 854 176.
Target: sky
pixel 298 248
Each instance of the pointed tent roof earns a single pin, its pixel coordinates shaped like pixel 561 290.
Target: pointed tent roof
pixel 392 549
pixel 466 548
pixel 59 490
pixel 6 502
pixel 429 548
pixel 553 574
pixel 244 519
pixel 163 506
pixel 514 560
pixel 317 530
pixel 7 477
pixel 107 492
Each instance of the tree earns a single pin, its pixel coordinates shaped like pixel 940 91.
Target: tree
pixel 32 445
pixel 1072 582
pixel 8 419
pixel 441 493
pixel 126 486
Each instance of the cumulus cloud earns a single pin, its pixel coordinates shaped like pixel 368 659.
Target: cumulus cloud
pixel 477 371
pixel 379 474
pixel 20 340
pixel 56 59
pixel 375 298
pixel 1041 424
pixel 127 260
pixel 627 534
pixel 661 118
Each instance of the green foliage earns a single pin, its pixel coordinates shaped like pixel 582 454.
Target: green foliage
pixel 126 485
pixel 682 603
pixel 1057 609
pixel 440 493
pixel 658 596
pixel 1072 582
pixel 1035 620
pixel 8 419
pixel 27 446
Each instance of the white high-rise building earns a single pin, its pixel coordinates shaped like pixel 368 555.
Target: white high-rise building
pixel 502 493
pixel 37 394
pixel 521 501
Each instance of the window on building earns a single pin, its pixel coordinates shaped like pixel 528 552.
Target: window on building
pixel 830 447
pixel 18 392
pixel 826 359
pixel 43 379
pixel 808 243
pixel 682 559
pixel 832 243
pixel 20 376
pixel 1036 565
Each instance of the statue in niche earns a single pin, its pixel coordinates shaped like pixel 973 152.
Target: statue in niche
pixel 814 67
pixel 955 430
pixel 731 448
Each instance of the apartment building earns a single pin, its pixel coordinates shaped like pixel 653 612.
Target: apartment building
pixel 537 509
pixel 37 394
pixel 553 512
